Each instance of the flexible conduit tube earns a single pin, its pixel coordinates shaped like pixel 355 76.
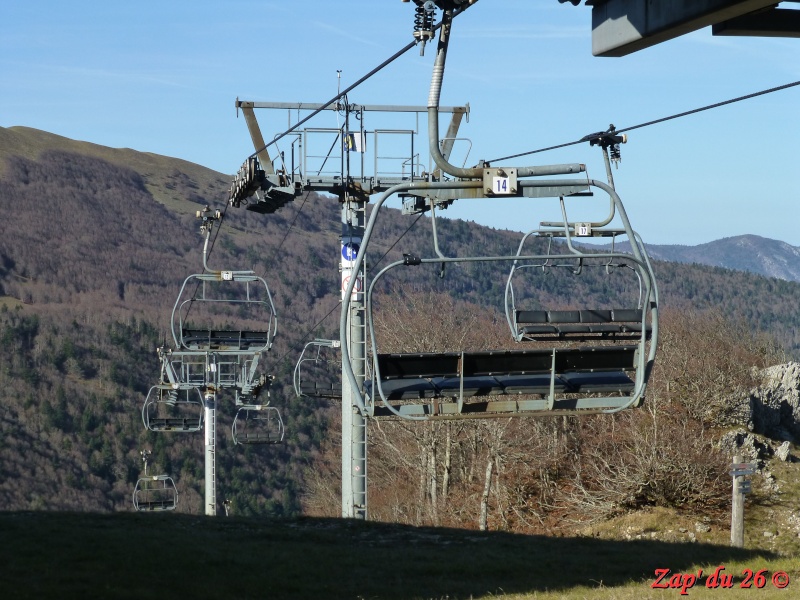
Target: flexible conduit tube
pixel 401 187
pixel 433 120
pixel 433 106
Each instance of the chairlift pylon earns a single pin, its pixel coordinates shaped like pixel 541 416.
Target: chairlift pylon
pixel 208 350
pixel 209 356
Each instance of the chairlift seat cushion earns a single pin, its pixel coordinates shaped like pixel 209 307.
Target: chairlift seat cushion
pixel 174 424
pixel 626 314
pixel 473 386
pixel 260 437
pixel 321 390
pixel 436 387
pixel 532 316
pixel 540 330
pixel 533 384
pixel 601 358
pixel 564 316
pixel 598 316
pixel 568 328
pixel 394 366
pixel 155 505
pixel 504 362
pixel 487 373
pixel 210 339
pixel 587 324
pixel 404 389
pixel 616 315
pixel 610 330
pixel 605 382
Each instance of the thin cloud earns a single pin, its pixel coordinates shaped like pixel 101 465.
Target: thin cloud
pixel 75 74
pixel 526 33
pixel 345 33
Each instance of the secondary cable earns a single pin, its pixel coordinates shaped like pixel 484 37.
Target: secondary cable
pixel 336 306
pixel 377 262
pixel 654 122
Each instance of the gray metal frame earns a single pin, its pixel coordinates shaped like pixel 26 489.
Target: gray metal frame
pixel 154 493
pixel 270 431
pixel 644 357
pixel 177 402
pixel 282 185
pixel 297 379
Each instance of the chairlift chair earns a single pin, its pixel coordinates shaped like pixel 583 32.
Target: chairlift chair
pixel 257 424
pixel 154 493
pixel 320 383
pixel 218 296
pixel 627 319
pixel 170 409
pixel 608 372
pixel 224 295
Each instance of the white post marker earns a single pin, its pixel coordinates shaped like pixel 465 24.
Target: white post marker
pixel 741 486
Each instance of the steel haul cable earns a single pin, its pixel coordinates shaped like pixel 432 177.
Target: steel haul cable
pixel 656 121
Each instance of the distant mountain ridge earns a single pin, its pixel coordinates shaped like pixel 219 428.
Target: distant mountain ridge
pixel 751 253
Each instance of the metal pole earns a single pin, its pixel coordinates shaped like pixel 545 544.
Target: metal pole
pixel 737 509
pixel 359 423
pixel 354 425
pixel 210 407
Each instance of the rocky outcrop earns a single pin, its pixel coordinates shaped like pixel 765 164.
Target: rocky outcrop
pixel 768 421
pixel 775 404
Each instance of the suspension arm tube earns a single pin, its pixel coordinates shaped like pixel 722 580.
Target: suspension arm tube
pixel 654 313
pixel 402 187
pixel 433 120
pixel 538 171
pixel 433 105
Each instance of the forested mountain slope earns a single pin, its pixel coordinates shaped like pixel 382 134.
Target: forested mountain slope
pixel 96 242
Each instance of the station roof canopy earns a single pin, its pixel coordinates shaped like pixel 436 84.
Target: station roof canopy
pixel 620 27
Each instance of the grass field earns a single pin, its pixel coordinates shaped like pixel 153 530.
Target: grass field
pixel 67 555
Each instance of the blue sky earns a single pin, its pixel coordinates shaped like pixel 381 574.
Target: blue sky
pixel 162 77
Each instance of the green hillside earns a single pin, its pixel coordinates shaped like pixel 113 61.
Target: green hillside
pixel 95 246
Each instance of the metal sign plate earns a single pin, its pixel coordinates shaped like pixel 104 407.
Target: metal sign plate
pixel 742 469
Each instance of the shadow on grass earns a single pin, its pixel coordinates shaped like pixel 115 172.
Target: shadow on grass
pixel 65 555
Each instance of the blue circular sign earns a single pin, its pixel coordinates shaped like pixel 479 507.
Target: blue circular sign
pixel 350 251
